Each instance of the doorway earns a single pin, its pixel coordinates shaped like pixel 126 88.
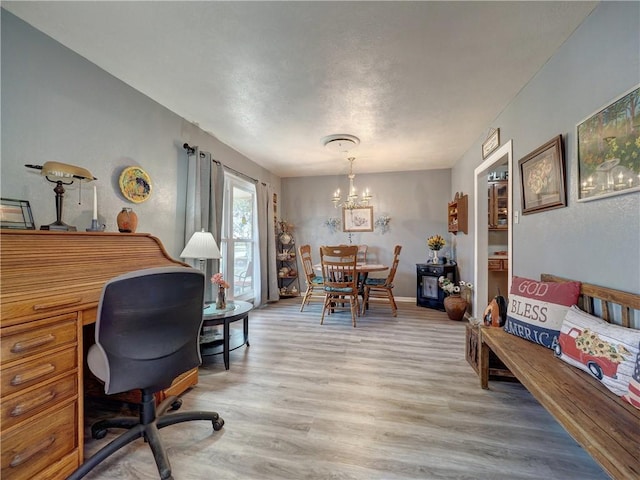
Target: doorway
pixel 502 158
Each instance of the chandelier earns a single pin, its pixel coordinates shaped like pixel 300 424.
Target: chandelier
pixel 352 200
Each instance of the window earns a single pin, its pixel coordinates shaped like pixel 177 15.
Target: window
pixel 239 246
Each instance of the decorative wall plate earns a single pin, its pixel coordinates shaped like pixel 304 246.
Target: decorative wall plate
pixel 135 184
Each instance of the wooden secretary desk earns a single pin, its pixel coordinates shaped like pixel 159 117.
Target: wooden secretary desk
pixel 50 285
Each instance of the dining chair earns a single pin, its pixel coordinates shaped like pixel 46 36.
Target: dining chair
pixel 340 279
pixel 315 282
pixel 362 253
pixel 382 288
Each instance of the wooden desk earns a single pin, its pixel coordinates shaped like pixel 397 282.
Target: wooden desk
pixel 49 288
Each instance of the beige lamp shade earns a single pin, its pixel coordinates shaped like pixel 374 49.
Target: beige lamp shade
pixel 201 245
pixel 63 170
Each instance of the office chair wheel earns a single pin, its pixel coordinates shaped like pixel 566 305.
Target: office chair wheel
pixel 176 405
pixel 218 424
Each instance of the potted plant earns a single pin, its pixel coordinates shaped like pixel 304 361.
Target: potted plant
pixel 454 303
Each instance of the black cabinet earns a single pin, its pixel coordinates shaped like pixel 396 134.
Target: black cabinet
pixel 428 292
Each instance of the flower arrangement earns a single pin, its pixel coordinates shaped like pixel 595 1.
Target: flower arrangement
pixel 450 287
pixel 217 279
pixel 436 242
pixel 382 223
pixel 333 224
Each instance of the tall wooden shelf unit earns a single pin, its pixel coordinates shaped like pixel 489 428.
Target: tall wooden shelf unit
pixel 457 214
pixel 288 282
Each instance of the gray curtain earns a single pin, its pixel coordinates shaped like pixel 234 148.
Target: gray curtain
pixel 204 204
pixel 266 233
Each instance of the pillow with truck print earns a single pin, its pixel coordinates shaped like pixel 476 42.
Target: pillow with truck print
pixel 608 352
pixel 535 310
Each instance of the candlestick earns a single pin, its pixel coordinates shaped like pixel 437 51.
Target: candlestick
pixel 95 203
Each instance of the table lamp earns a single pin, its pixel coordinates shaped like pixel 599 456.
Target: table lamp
pixel 202 246
pixel 61 174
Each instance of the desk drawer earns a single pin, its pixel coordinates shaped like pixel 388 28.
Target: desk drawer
pixel 23 375
pixel 36 337
pixel 31 448
pixel 25 406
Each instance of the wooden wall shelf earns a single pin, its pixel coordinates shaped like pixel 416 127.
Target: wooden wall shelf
pixel 457 214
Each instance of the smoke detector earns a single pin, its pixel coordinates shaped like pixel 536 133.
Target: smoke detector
pixel 340 142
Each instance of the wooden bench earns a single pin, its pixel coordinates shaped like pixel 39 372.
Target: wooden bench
pixel 605 425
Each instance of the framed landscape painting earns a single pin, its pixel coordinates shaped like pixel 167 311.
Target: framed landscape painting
pixel 357 219
pixel 608 146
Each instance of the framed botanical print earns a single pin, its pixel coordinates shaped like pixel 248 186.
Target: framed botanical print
pixel 359 219
pixel 543 178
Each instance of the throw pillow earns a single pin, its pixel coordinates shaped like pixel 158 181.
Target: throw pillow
pixel 536 309
pixel 606 351
pixel 633 395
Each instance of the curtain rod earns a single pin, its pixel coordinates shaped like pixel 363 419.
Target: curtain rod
pixel 192 150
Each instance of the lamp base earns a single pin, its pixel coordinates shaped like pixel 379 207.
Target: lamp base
pixel 59 227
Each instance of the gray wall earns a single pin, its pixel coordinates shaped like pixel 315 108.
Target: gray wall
pixel 415 201
pixel 57 106
pixel 596 241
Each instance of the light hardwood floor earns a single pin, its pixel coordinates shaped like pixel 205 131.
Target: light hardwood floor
pixel 391 399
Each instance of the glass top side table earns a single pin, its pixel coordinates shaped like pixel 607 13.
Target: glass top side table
pixel 215 345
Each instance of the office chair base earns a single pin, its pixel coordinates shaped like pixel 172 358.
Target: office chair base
pixel 147 426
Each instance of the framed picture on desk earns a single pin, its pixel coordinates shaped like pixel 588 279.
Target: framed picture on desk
pixel 16 214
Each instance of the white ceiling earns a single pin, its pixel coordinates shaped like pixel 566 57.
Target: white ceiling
pixel 417 82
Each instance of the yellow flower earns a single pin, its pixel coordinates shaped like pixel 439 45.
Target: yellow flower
pixel 436 242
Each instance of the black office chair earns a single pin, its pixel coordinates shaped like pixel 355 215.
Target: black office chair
pixel 147 332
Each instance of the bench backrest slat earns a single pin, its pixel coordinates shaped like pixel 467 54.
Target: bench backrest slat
pixel 607 297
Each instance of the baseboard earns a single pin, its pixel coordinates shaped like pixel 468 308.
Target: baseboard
pixel 405 299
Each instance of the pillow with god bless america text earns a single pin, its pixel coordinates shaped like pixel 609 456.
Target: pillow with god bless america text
pixel 536 309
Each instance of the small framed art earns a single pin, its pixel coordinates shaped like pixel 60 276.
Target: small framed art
pixel 16 214
pixel 491 143
pixel 543 178
pixel 358 219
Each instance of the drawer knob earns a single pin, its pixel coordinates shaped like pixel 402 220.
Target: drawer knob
pixel 31 343
pixel 19 458
pixel 33 403
pixel 33 374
